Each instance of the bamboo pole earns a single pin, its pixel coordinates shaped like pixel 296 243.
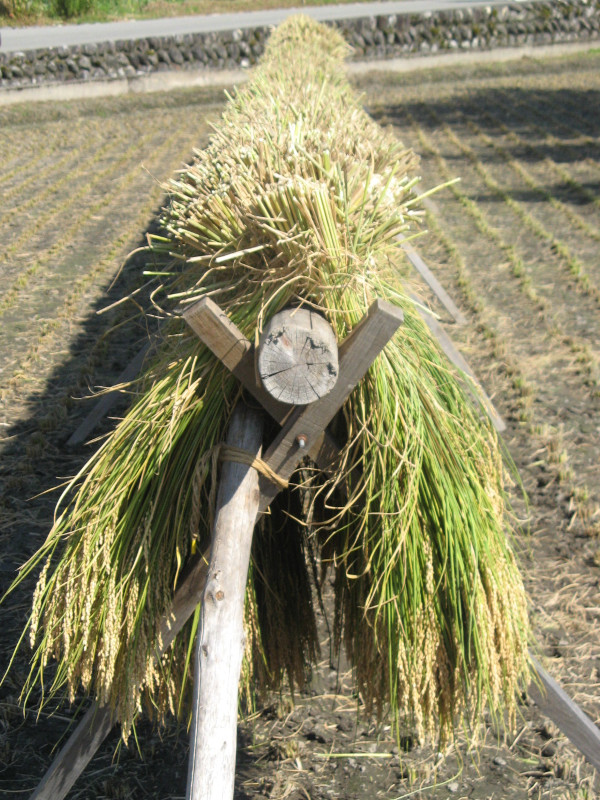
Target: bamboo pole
pixel 220 642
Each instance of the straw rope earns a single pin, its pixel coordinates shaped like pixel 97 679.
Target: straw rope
pixel 219 453
pixel 229 453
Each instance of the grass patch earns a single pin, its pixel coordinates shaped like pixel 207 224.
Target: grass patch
pixel 47 12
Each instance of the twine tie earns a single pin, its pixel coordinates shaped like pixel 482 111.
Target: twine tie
pixel 240 456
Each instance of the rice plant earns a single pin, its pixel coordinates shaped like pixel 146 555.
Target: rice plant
pixel 299 197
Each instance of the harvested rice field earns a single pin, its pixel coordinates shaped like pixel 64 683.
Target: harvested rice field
pixel 515 243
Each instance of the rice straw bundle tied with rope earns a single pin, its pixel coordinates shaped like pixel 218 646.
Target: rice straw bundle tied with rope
pixel 299 198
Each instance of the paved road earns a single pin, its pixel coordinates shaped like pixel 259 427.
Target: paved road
pixel 14 39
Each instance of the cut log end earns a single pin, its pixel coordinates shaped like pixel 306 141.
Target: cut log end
pixel 298 357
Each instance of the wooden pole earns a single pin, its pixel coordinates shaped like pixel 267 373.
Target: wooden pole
pixel 92 730
pixel 554 702
pixel 220 642
pixel 457 358
pixel 433 283
pixel 108 400
pixel 298 356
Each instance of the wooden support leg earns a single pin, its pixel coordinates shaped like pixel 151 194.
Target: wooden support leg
pixel 555 703
pixel 435 286
pixel 75 755
pixel 98 721
pixel 107 401
pixel 457 358
pixel 220 642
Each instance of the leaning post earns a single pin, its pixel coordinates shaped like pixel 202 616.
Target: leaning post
pixel 297 361
pixel 220 641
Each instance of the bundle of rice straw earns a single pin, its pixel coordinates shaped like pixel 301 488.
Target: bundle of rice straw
pixel 300 196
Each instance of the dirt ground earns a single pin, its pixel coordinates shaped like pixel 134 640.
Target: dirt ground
pixel 516 244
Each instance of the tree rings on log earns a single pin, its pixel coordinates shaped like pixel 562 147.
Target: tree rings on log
pixel 298 356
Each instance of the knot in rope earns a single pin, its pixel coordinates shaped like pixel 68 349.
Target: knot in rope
pixel 229 453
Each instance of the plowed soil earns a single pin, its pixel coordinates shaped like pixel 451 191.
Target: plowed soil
pixel 516 244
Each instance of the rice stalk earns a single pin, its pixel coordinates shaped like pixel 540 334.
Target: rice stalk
pixel 299 196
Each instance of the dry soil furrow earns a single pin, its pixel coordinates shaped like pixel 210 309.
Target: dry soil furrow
pixel 21 167
pixel 13 150
pixel 500 263
pixel 581 110
pixel 32 218
pixel 528 261
pixel 90 278
pixel 578 236
pixel 102 182
pixel 539 356
pixel 582 205
pixel 82 149
pixel 580 176
pixel 570 139
pixel 43 141
pixel 56 165
pixel 574 257
pixel 548 180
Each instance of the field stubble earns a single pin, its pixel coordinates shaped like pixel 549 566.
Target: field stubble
pixel 515 243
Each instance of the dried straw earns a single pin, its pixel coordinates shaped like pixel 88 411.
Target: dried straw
pixel 300 195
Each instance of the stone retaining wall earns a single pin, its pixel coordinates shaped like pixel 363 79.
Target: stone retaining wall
pixel 534 23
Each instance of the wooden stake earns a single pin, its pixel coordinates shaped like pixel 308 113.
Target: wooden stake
pixel 97 722
pixel 94 727
pixel 220 642
pixel 554 702
pixel 433 283
pixel 457 358
pixel 107 401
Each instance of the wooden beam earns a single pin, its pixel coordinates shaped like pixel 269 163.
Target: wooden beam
pixel 297 358
pixel 108 400
pixel 92 730
pixel 433 283
pixel 457 358
pixel 220 640
pixel 555 703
